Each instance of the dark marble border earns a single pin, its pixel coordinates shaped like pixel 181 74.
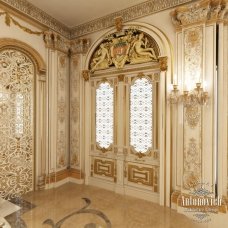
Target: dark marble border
pixel 83 210
pixel 15 219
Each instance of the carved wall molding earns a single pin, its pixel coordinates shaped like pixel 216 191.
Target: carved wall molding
pixel 80 46
pixel 134 12
pixel 199 12
pixel 57 42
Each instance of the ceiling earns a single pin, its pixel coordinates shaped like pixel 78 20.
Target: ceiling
pixel 76 12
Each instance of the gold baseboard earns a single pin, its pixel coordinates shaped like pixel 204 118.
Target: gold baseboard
pixel 63 174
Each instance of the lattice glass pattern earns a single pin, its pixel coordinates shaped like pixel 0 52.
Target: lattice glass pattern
pixel 104 115
pixel 141 115
pixel 16 123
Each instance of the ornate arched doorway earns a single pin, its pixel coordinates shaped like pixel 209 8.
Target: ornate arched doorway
pixel 127 122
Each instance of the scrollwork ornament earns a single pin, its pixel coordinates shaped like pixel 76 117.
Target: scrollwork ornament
pixel 17 73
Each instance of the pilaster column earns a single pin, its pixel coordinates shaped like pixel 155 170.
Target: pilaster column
pixel 199 61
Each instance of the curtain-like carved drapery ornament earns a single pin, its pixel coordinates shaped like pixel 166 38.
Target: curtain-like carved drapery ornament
pixel 104 115
pixel 16 117
pixel 141 115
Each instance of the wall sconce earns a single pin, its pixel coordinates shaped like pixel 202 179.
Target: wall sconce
pixel 189 97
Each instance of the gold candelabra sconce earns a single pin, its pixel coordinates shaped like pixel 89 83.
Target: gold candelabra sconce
pixel 198 95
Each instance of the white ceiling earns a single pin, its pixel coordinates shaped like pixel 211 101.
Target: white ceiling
pixel 76 12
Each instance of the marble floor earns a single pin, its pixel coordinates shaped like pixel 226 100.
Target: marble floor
pixel 79 206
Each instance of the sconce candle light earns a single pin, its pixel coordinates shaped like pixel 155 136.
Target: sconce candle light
pixel 189 97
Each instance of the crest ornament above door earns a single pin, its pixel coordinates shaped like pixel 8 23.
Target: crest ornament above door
pixel 130 46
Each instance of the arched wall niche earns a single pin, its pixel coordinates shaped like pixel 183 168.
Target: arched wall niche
pixel 165 148
pixel 40 95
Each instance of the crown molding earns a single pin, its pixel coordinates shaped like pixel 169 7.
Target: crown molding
pixel 40 17
pixel 36 14
pixel 131 13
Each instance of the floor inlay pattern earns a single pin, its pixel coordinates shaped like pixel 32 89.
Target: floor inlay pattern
pixel 81 211
pixel 63 207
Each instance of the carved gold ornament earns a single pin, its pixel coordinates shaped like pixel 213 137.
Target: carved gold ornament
pixel 163 63
pixel 128 47
pixel 147 176
pixel 119 23
pixel 104 168
pixel 85 75
pixel 9 19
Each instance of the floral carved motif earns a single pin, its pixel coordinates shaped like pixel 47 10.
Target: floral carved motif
pixel 193 115
pixel 75 111
pixel 61 150
pixel 17 74
pixel 62 114
pixel 192 165
pixel 193 54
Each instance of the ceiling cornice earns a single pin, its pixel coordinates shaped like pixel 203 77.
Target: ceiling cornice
pixel 131 13
pixel 38 15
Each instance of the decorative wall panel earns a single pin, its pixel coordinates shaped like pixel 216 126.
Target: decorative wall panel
pixel 104 167
pixel 17 75
pixel 193 73
pixel 143 175
pixel 62 111
pixel 75 112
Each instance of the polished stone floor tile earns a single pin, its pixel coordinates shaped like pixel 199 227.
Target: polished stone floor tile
pixel 79 206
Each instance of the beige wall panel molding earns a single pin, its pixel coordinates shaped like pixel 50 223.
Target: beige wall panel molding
pixel 75 117
pixel 62 111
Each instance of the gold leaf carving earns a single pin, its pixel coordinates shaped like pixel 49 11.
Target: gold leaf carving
pixel 9 19
pixel 192 115
pixel 129 46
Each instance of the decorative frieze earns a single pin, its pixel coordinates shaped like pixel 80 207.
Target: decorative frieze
pixel 132 13
pixel 55 41
pixel 80 46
